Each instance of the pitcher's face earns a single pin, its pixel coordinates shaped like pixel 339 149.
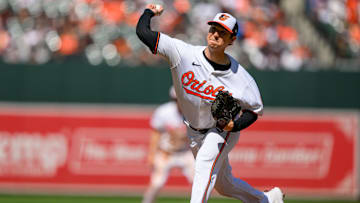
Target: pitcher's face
pixel 218 37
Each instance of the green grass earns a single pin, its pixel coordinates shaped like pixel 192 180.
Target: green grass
pixel 97 199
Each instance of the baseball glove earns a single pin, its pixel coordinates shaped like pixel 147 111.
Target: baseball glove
pixel 224 109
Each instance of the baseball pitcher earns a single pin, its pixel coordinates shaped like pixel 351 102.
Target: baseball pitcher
pixel 218 99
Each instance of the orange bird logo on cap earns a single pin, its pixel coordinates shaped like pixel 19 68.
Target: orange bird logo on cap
pixel 223 17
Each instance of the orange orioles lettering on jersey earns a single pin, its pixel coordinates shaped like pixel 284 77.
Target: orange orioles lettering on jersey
pixel 195 87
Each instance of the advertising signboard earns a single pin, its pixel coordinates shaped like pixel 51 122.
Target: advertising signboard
pixel 93 149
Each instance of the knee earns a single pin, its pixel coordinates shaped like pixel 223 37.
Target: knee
pixel 204 162
pixel 156 185
pixel 207 153
pixel 157 181
pixel 222 191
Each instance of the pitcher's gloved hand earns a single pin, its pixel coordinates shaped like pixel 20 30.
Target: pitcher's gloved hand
pixel 224 109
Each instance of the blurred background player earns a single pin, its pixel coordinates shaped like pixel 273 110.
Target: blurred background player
pixel 169 146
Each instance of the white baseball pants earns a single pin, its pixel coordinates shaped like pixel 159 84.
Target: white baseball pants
pixel 162 166
pixel 212 168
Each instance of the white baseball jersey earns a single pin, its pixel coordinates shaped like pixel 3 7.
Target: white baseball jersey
pixel 166 118
pixel 197 83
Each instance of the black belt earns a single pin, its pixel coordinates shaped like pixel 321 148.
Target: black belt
pixel 202 131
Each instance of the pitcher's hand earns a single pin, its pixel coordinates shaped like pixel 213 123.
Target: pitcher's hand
pixel 156 8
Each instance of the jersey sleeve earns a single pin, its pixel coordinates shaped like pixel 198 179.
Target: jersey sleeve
pixel 251 98
pixel 171 48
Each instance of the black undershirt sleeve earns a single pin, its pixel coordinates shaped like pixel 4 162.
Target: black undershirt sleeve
pixel 245 120
pixel 144 32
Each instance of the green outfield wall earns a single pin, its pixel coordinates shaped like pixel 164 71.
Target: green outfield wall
pixel 78 82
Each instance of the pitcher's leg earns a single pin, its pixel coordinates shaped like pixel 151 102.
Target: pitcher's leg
pixel 230 186
pixel 207 165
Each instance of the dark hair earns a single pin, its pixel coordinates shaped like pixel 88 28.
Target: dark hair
pixel 235 29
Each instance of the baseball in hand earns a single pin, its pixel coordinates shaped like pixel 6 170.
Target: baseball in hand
pixel 159 9
pixel 156 8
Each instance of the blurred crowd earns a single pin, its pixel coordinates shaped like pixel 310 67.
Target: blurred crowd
pixel 103 31
pixel 339 22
